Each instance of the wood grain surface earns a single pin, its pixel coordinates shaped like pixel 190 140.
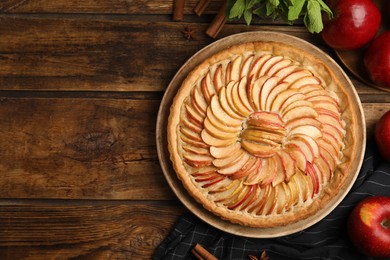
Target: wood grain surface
pixel 80 87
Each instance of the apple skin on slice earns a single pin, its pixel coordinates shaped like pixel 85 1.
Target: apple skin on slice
pixel 269 64
pixel 258 64
pixel 278 66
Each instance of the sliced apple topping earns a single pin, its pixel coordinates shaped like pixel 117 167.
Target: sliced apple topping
pixel 246 66
pixel 261 134
pixel 278 66
pixel 218 78
pixel 226 106
pixel 258 64
pixel 269 64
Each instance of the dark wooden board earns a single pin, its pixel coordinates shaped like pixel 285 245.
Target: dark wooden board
pixel 86 230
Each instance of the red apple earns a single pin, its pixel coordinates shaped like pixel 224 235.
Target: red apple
pixel 369 226
pixel 377 60
pixel 382 135
pixel 355 23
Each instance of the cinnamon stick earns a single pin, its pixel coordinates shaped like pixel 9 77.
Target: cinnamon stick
pixel 201 7
pixel 178 10
pixel 218 22
pixel 201 253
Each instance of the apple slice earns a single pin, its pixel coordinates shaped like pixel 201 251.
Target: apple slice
pixel 271 171
pixel 314 178
pixel 292 99
pixel 308 130
pixel 268 85
pixel 258 63
pixel 235 69
pixel 218 123
pixel 269 64
pixel 274 139
pixel 225 151
pixel 294 193
pixel 190 124
pixel 298 155
pixel 235 166
pixel 257 176
pixel 298 112
pixel 218 78
pixel 192 142
pixel 264 118
pixel 243 197
pixel 230 185
pixel 299 103
pixel 288 163
pixel 270 205
pixel 301 121
pixel 194 116
pixel 283 73
pixel 303 147
pixel 238 103
pixel 198 101
pixel 218 133
pixel 242 94
pixel 305 185
pixel 328 105
pixel 246 66
pixel 322 98
pixel 207 87
pixel 196 160
pixel 222 115
pixel 196 150
pixel 225 194
pixel 306 80
pixel 280 174
pixel 213 141
pixel 255 92
pixel 252 165
pixel 324 169
pixel 259 149
pixel 229 159
pixel 251 198
pixel 305 89
pixel 261 199
pixel 274 93
pixel 190 134
pixel 230 99
pixel 283 197
pixel 292 77
pixel 281 98
pixel 278 66
pixel 222 98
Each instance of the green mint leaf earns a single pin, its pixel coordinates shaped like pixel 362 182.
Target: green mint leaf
pixel 313 18
pixel 325 8
pixel 248 16
pixel 294 11
pixel 271 7
pixel 237 9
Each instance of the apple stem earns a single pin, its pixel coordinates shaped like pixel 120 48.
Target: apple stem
pixel 386 223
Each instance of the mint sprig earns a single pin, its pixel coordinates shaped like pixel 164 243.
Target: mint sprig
pixel 289 10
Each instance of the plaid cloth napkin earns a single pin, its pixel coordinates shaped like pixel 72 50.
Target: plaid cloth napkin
pixel 328 239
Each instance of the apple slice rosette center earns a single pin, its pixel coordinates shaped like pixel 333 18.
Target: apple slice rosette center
pixel 263 134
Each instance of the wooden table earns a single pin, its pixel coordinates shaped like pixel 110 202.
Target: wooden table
pixel 80 87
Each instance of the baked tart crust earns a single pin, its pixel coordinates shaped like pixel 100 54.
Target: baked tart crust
pixel 262 134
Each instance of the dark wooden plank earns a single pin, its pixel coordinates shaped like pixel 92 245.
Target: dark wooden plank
pixel 100 6
pixel 80 148
pixel 92 54
pixel 86 230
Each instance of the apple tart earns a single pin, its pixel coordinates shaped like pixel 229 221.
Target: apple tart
pixel 262 134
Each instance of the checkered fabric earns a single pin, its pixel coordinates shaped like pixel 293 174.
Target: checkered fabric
pixel 328 239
